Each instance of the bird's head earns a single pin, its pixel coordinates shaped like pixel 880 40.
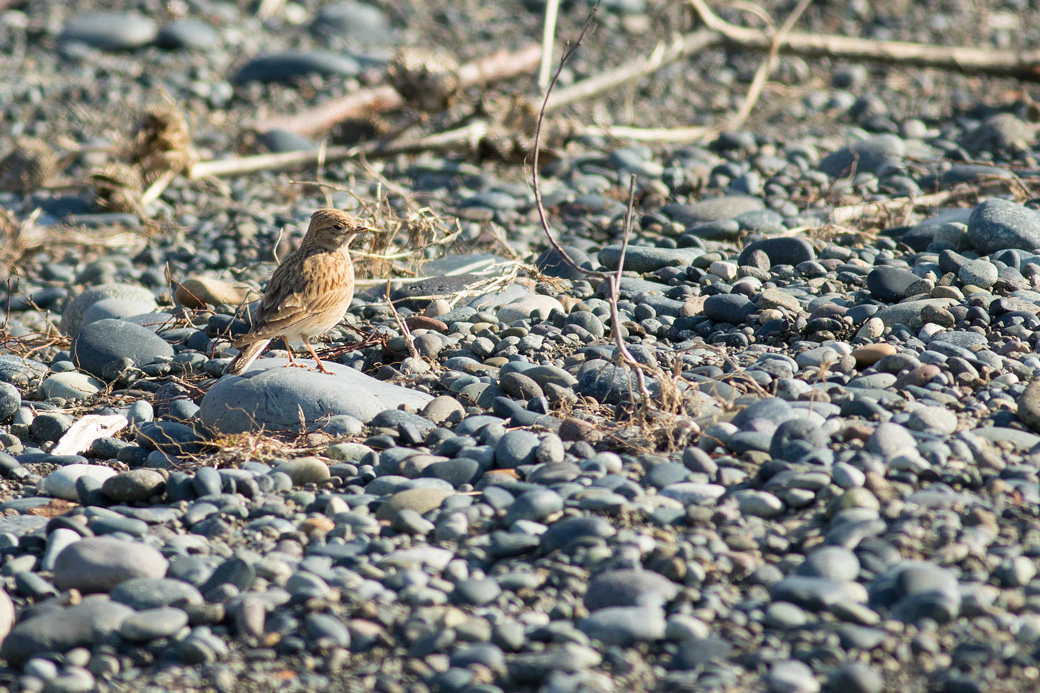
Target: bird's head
pixel 332 229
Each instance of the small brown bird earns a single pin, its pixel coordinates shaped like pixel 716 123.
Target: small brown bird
pixel 308 293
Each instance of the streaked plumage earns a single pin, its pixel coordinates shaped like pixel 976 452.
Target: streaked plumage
pixel 308 293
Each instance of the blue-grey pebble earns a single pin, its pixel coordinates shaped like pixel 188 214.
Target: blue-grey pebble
pixel 290 65
pixel 624 626
pixel 187 33
pixel 515 448
pixel 996 224
pixel 109 31
pixel 153 624
pixel 99 344
pixel 152 593
pixel 629 587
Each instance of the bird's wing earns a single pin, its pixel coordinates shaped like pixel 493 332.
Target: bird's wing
pixel 305 285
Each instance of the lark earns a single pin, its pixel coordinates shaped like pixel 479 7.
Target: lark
pixel 309 291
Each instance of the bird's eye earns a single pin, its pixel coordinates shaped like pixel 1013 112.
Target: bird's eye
pixel 340 226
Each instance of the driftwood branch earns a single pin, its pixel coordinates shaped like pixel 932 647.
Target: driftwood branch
pixel 500 65
pixel 1024 65
pixel 286 160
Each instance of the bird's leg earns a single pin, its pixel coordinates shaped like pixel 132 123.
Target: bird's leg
pixel 292 362
pixel 321 366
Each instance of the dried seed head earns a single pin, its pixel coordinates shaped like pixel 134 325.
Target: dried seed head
pixel 117 187
pixel 426 79
pixel 28 166
pixel 8 227
pixel 510 132
pixel 363 129
pixel 161 142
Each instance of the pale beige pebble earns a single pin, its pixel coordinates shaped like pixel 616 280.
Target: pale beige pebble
pixel 768 314
pixel 724 270
pixel 335 506
pixel 568 303
pixel 872 329
pixel 436 308
pixel 535 305
pixel 198 292
pixel 776 298
pixel 867 356
pixel 692 306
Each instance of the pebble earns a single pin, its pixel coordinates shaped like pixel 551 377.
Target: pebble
pixel 997 224
pixel 98 346
pixel 109 31
pixel 867 356
pixel 97 564
pixel 232 406
pixel 290 65
pixel 72 315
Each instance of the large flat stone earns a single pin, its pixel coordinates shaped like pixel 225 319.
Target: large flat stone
pixel 902 313
pixel 272 397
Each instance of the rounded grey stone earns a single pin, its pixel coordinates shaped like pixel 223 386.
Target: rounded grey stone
pixel 101 343
pixel 97 564
pixel 624 625
pixel 629 587
pixel 980 273
pixel 290 65
pixel 152 593
pixel 133 486
pixel 61 630
pixel 72 313
pixel 271 397
pixel 152 624
pixel 996 224
pixel 890 440
pixel 516 448
pixel 111 31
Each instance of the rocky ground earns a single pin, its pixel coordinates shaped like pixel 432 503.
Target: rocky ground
pixel 814 466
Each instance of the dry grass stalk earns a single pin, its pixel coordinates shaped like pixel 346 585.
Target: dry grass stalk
pixel 401 325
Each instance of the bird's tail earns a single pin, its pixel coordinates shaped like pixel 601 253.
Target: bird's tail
pixel 246 356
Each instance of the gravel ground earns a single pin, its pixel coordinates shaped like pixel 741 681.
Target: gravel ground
pixel 821 475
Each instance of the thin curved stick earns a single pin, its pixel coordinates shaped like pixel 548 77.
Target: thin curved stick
pixel 535 178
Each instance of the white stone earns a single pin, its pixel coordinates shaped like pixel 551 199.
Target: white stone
pixel 61 483
pixel 70 385
pixel 535 305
